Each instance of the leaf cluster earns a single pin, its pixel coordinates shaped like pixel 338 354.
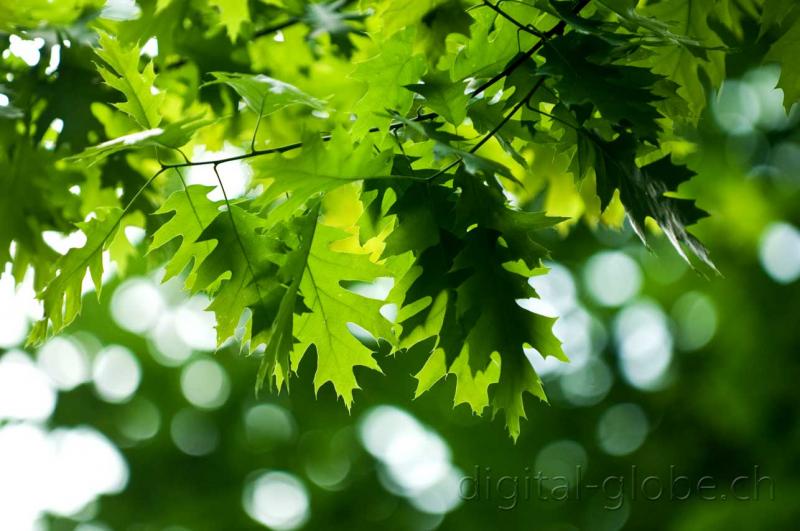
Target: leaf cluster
pixel 396 153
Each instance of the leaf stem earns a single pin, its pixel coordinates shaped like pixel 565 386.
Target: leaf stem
pixel 528 29
pixel 508 116
pixel 558 29
pixel 238 236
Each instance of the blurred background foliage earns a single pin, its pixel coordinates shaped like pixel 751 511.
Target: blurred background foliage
pixel 133 421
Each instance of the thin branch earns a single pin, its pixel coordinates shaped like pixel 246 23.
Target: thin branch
pixel 551 116
pixel 445 169
pixel 488 136
pixel 508 116
pixel 556 30
pixel 291 21
pixel 528 29
pixel 283 149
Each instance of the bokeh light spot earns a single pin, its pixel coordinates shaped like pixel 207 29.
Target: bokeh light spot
pixel 268 424
pixel 644 344
pixel 612 278
pixel 205 384
pixel 140 420
pixel 194 432
pixel 278 500
pixel 779 252
pixel 195 325
pixel 587 385
pixel 65 362
pixel 561 459
pixel 26 392
pixel 696 318
pixel 622 429
pixel 116 374
pixel 136 305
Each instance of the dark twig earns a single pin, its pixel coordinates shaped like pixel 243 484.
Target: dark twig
pixel 291 21
pixel 528 29
pixel 558 29
pixel 508 116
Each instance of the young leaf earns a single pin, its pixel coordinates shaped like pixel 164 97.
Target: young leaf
pixel 319 168
pixel 193 213
pixel 137 86
pixel 265 95
pixel 385 76
pixel 62 295
pixel 445 97
pixel 170 136
pixel 232 14
pixel 332 307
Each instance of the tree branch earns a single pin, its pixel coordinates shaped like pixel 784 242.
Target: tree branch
pixel 556 30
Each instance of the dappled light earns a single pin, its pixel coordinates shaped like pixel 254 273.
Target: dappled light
pixel 399 265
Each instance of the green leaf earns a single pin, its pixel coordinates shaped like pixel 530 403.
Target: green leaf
pixel 35 199
pixel 239 272
pixel 328 18
pixel 784 52
pixel 232 14
pixel 484 205
pixel 445 97
pixel 385 76
pixel 495 323
pixel 170 136
pixel 487 301
pixel 331 308
pixel 492 44
pixel 449 17
pixel 32 13
pixel 585 74
pixel 76 77
pixel 143 105
pixel 689 64
pixel 644 191
pixel 517 377
pixel 62 295
pixel 320 167
pixel 460 296
pixel 265 95
pixel 276 363
pixel 776 13
pixel 192 212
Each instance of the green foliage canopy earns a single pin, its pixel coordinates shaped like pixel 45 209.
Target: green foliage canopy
pixel 391 142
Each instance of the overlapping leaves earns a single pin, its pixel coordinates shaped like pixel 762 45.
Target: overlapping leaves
pixel 432 121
